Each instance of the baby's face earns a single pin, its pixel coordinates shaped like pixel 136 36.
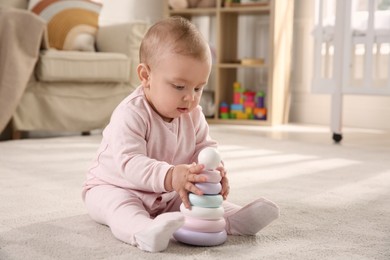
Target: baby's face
pixel 176 84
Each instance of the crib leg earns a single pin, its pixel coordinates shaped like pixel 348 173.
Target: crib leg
pixel 336 115
pixel 337 137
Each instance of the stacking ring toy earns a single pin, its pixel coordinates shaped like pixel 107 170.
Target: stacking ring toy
pixel 212 176
pixel 199 238
pixel 202 213
pixel 209 188
pixel 202 225
pixel 205 201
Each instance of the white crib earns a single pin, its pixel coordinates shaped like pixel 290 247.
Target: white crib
pixel 351 52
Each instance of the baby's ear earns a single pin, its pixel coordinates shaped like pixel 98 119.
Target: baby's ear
pixel 143 74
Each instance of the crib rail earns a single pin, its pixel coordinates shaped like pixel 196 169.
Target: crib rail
pixel 351 49
pixel 348 56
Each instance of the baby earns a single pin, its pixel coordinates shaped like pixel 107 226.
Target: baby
pixel 146 163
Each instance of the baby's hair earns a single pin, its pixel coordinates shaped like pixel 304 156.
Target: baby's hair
pixel 175 35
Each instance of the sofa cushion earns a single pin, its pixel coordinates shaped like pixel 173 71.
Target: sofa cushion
pixel 71 24
pixel 74 66
pixel 20 4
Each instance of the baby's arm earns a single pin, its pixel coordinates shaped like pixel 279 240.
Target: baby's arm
pixel 181 178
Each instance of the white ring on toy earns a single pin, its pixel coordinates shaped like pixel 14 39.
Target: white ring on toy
pixel 209 157
pixel 212 176
pixel 205 201
pixel 202 225
pixel 200 238
pixel 209 188
pixel 202 213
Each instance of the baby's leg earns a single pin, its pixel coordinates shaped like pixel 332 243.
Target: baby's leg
pixel 156 236
pixel 250 219
pixel 128 220
pixel 173 205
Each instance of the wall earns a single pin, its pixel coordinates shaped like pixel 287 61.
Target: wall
pixel 306 107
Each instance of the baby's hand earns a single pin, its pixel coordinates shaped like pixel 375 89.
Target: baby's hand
pixel 183 178
pixel 224 182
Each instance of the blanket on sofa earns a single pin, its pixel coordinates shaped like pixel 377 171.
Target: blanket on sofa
pixel 21 34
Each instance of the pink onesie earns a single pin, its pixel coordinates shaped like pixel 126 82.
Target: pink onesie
pixel 125 183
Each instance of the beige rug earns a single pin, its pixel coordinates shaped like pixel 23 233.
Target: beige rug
pixel 334 199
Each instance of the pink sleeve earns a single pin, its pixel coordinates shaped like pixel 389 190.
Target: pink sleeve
pixel 127 138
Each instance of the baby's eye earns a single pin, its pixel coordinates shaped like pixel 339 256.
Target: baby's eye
pixel 198 89
pixel 178 87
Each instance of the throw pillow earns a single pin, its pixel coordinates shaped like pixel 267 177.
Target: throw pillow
pixel 71 24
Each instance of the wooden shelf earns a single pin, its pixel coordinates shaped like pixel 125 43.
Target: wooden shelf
pixel 278 18
pixel 246 9
pixel 194 11
pixel 238 121
pixel 239 65
pixel 213 11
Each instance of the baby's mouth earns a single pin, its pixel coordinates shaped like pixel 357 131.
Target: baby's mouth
pixel 182 109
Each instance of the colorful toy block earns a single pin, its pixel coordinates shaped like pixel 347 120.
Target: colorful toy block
pixel 260 113
pixel 246 104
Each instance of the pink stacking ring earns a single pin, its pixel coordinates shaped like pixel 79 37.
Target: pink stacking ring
pixel 205 201
pixel 200 238
pixel 206 226
pixel 202 213
pixel 212 176
pixel 209 188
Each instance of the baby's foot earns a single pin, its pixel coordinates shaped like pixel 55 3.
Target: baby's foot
pixel 252 218
pixel 156 237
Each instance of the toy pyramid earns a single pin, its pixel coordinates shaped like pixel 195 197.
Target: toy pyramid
pixel 204 223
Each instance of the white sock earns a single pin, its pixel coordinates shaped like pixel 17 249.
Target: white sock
pixel 156 237
pixel 252 218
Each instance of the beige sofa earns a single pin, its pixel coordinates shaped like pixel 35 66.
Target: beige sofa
pixel 77 91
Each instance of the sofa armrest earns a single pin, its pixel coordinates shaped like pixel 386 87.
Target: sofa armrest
pixel 20 4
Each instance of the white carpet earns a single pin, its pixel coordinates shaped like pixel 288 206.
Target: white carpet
pixel 334 199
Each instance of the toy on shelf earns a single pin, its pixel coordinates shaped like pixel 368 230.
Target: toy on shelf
pixel 224 110
pixel 204 223
pixel 246 105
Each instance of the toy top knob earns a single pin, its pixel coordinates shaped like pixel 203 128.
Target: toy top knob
pixel 210 158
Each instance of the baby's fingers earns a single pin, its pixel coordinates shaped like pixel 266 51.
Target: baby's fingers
pixel 222 170
pixel 225 187
pixel 184 198
pixel 192 188
pixel 196 168
pixel 196 178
